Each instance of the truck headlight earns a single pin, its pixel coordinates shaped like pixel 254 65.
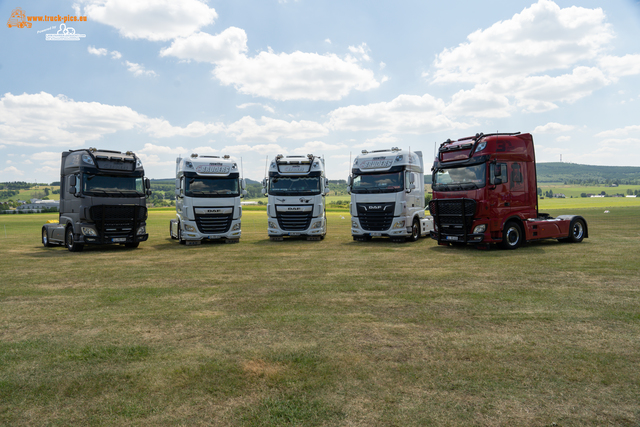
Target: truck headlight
pixel 316 224
pixel 480 229
pixel 141 230
pixel 398 224
pixel 88 231
pixel 272 224
pixel 236 227
pixel 189 227
pixel 354 224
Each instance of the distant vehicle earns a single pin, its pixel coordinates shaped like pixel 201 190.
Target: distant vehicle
pixel 387 196
pixel 208 192
pixel 485 192
pixel 102 200
pixel 18 19
pixel 296 188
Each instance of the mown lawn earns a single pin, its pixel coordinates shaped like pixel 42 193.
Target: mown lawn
pixel 330 333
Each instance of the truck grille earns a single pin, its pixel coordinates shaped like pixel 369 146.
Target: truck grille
pixel 449 218
pixel 294 221
pixel 214 223
pixel 117 221
pixel 375 216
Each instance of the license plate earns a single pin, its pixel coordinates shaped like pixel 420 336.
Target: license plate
pixel 119 239
pixel 452 237
pixel 294 234
pixel 213 237
pixel 376 234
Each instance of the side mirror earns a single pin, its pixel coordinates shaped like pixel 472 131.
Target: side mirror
pixel 497 181
pixel 244 193
pixel 243 184
pixel 349 181
pixel 264 192
pixel 148 191
pixel 147 184
pixel 348 189
pixel 326 190
pixel 72 184
pixel 264 183
pixel 177 192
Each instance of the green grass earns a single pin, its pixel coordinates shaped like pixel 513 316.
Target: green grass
pixel 326 333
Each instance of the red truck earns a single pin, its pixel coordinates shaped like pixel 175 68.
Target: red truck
pixel 485 192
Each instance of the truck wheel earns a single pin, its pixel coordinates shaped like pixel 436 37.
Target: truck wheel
pixel 511 236
pixel 132 245
pixel 45 238
pixel 415 230
pixel 182 242
pixel 576 231
pixel 71 244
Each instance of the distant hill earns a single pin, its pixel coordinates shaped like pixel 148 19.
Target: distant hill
pixel 572 173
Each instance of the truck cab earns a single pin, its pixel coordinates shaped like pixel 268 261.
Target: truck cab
pixel 485 192
pixel 296 188
pixel 387 196
pixel 102 200
pixel 208 192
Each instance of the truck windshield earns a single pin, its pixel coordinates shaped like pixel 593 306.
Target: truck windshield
pixel 457 179
pixel 378 183
pixel 112 186
pixel 294 186
pixel 211 187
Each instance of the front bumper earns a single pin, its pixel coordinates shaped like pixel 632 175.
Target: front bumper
pixel 235 232
pixel 318 227
pixel 398 231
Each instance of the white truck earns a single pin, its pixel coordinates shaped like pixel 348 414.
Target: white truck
pixel 296 187
pixel 387 196
pixel 208 192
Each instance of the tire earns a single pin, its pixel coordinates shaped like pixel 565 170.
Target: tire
pixel 45 238
pixel 512 236
pixel 180 240
pixel 577 231
pixel 132 245
pixel 415 230
pixel 71 244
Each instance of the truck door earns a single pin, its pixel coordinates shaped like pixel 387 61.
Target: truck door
pixel 498 195
pixel 518 198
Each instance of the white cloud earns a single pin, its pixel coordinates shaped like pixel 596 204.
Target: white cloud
pixel 479 102
pixel 553 127
pixel 161 128
pixel 404 114
pixel 155 20
pixel 634 129
pixel 362 51
pixel 282 76
pixel 256 104
pixel 12 171
pixel 328 41
pixel 116 55
pixel 268 129
pixel 43 120
pixel 619 66
pixel 139 70
pixel 318 148
pixel 98 52
pixel 542 37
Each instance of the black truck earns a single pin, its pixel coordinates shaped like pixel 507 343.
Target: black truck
pixel 102 200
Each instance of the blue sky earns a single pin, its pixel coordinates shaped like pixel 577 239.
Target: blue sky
pixel 253 79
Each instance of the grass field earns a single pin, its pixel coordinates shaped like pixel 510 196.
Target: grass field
pixel 330 333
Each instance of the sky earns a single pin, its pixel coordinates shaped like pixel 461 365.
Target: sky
pixel 257 78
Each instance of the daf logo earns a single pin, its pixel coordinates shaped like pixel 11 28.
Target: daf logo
pixel 295 209
pixel 374 207
pixel 213 211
